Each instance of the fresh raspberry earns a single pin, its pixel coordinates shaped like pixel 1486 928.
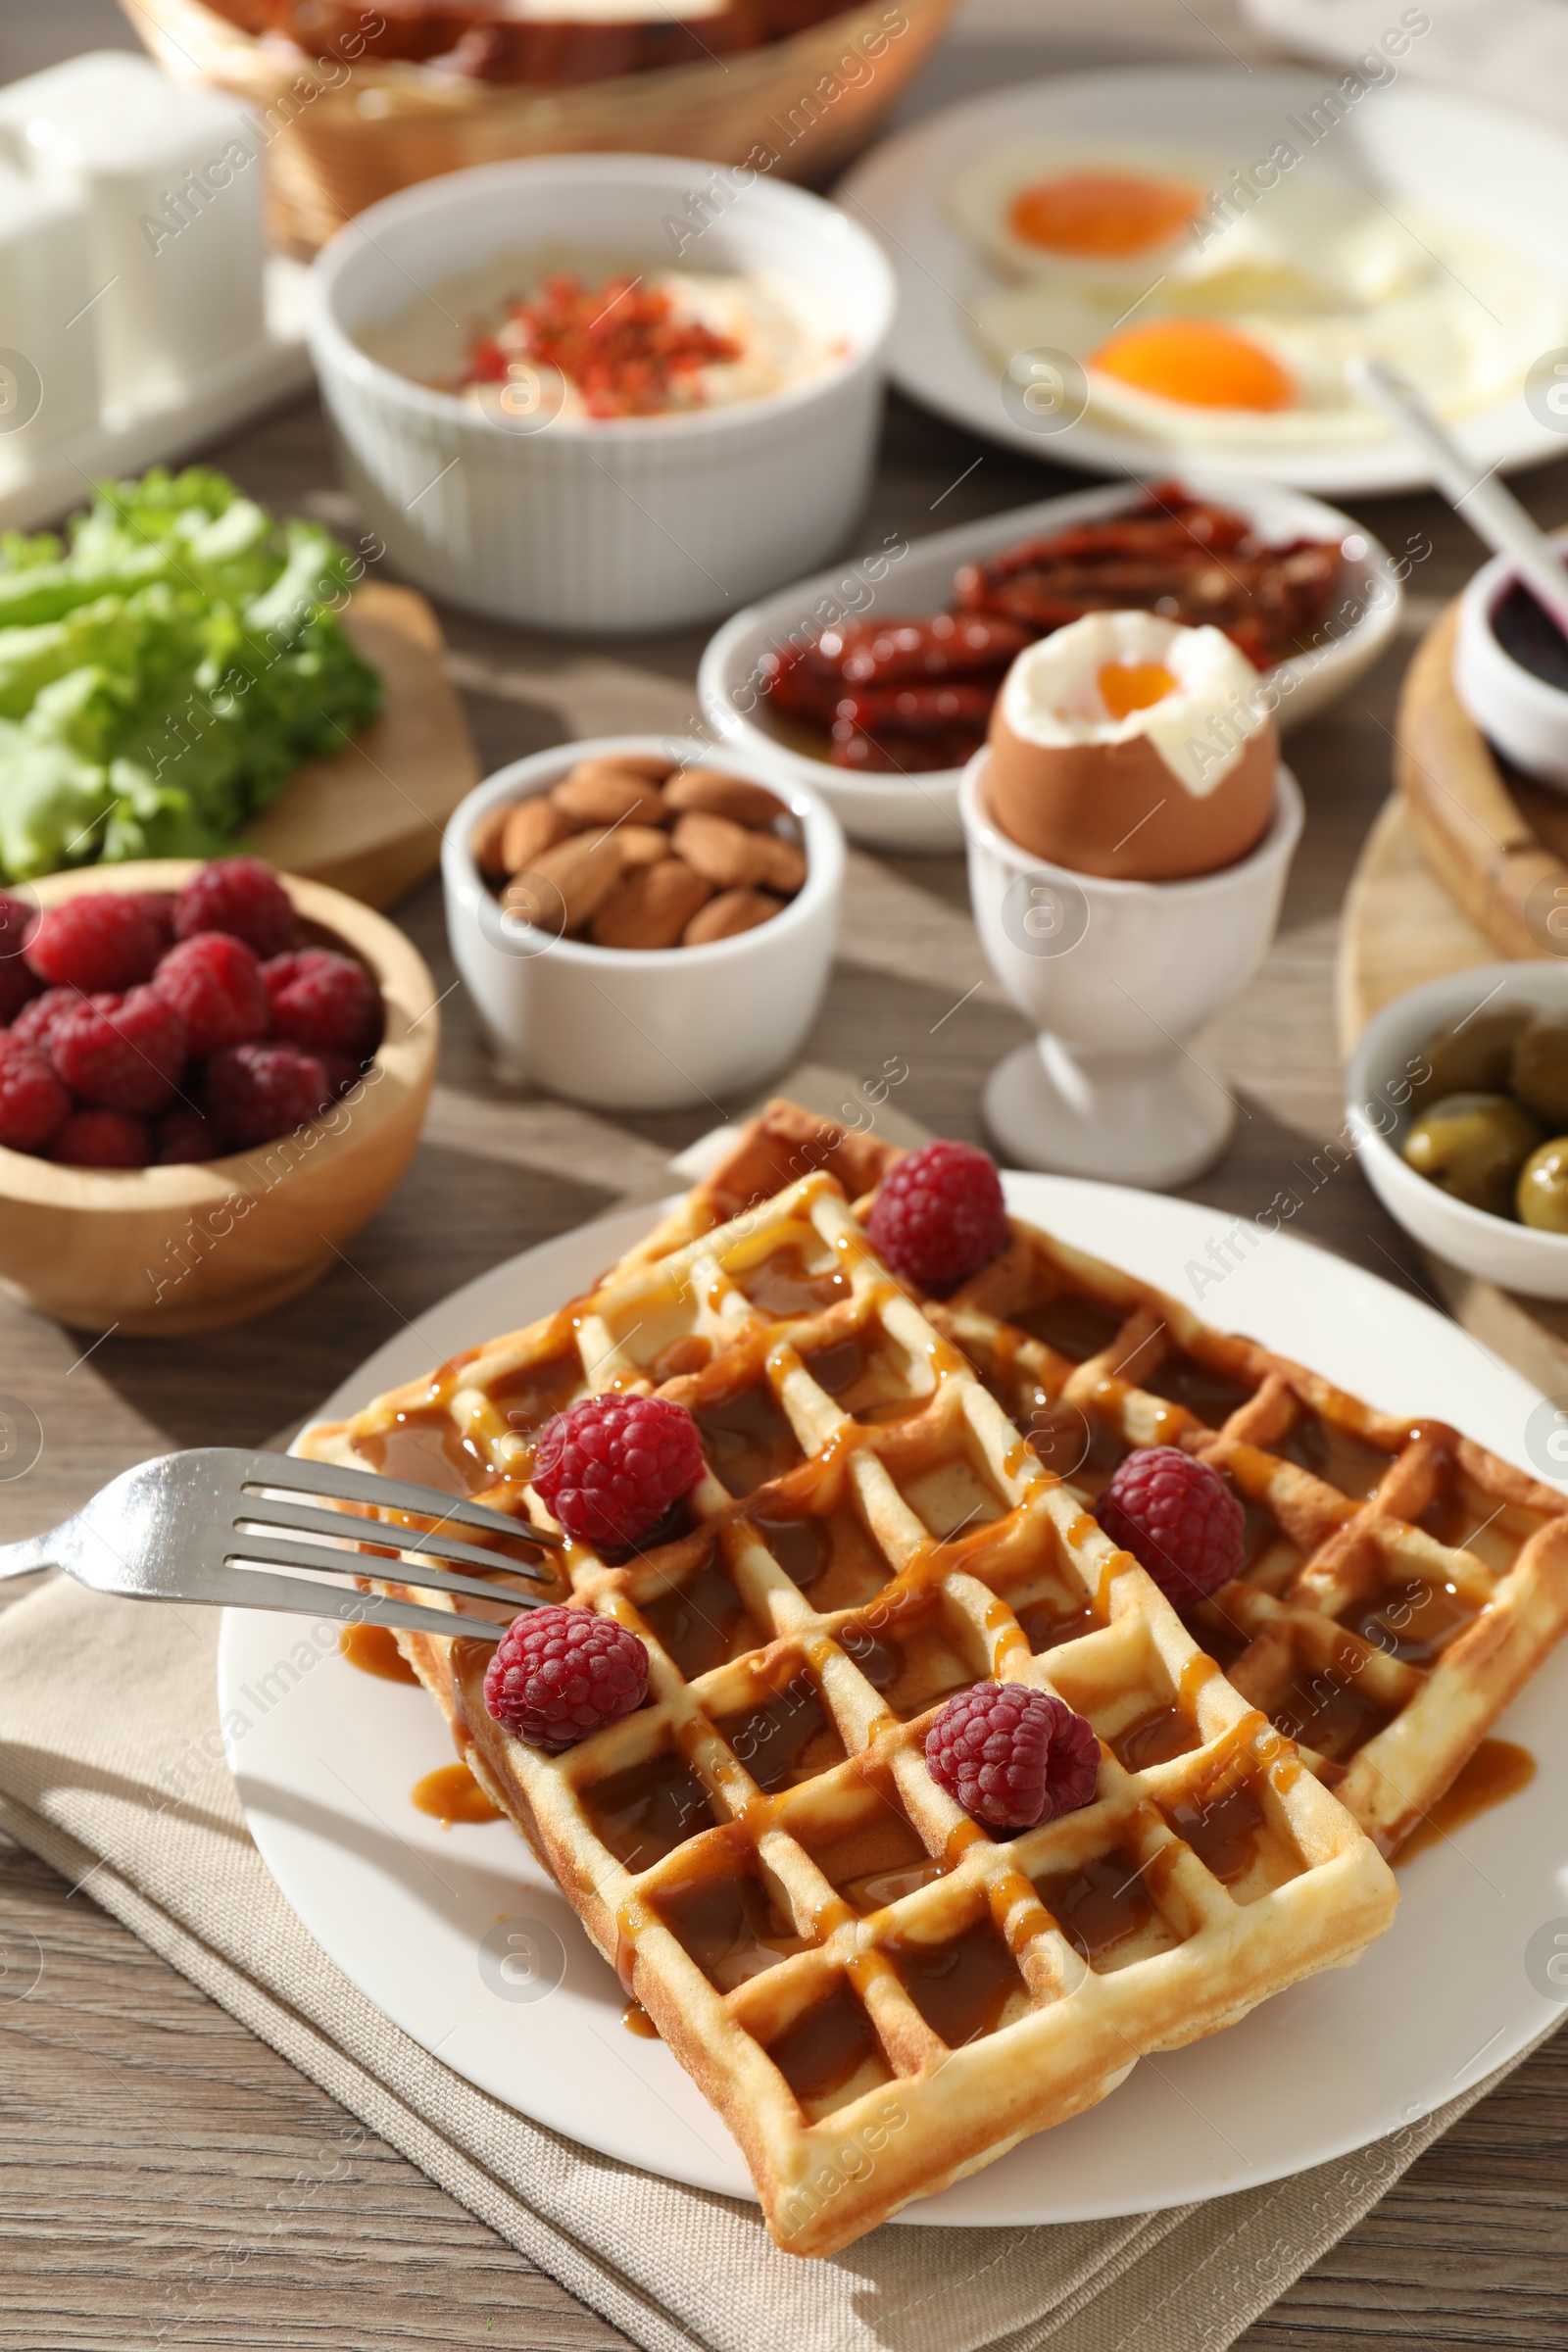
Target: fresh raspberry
pixel 240 895
pixel 35 1023
pixel 342 1072
pixel 99 939
pixel 120 1052
pixel 18 979
pixel 1178 1519
pixel 255 1091
pixel 182 1134
pixel 939 1214
pixel 217 983
pixel 34 1104
pixel 103 1139
pixel 558 1674
pixel 324 1001
pixel 159 905
pixel 1012 1757
pixel 610 1467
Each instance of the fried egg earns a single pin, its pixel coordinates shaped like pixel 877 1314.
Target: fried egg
pixel 1229 361
pixel 1118 215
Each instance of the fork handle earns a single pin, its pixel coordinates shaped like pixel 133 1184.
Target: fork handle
pixel 27 1557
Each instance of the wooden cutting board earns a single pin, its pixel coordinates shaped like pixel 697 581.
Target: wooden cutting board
pixel 369 819
pixel 1490 837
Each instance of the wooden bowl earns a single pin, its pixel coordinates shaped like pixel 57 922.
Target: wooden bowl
pixel 192 1248
pixel 340 139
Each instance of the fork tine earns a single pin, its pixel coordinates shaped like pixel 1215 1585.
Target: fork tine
pixel 291 1472
pixel 428 1544
pixel 403 1572
pixel 298 1599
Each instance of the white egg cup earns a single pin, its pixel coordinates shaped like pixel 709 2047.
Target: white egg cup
pixel 1116 977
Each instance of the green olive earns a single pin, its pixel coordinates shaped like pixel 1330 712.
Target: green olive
pixel 1473 1146
pixel 1473 1056
pixel 1540 1073
pixel 1543 1186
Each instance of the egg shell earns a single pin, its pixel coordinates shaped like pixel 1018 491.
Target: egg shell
pixel 1087 805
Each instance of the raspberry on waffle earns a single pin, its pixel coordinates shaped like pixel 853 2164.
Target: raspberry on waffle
pixel 878 1993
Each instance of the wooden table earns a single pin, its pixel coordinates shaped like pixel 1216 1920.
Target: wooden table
pixel 143 2132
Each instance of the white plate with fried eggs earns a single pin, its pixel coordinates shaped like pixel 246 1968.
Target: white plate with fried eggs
pixel 1134 268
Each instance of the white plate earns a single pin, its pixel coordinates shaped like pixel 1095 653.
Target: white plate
pixel 1407 143
pixel 323 1766
pixel 921 811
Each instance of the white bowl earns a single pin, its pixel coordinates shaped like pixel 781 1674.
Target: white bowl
pixel 1377 1081
pixel 1115 975
pixel 621 523
pixel 921 811
pixel 1525 718
pixel 641 1029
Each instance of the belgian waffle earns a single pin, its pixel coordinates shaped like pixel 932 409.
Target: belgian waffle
pixel 1398 1584
pixel 877 1994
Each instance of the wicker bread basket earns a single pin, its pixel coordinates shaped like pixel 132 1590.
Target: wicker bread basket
pixel 341 135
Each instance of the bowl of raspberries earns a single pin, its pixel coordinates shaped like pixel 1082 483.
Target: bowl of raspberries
pixel 210 1075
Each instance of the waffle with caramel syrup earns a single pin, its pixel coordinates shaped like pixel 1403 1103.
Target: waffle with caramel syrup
pixel 877 1994
pixel 1399 1584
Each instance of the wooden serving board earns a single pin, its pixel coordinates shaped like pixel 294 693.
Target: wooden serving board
pixel 1458 815
pixel 1497 842
pixel 369 819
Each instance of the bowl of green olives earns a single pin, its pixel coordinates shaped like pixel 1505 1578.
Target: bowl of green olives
pixel 1458 1104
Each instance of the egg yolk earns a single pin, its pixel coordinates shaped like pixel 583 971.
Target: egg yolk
pixel 1101 216
pixel 1126 686
pixel 1194 361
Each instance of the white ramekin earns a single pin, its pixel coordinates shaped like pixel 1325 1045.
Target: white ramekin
pixel 904 576
pixel 641 1029
pixel 623 523
pixel 1525 717
pixel 1376 1099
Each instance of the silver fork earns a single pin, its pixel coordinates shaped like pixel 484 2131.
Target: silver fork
pixel 194 1527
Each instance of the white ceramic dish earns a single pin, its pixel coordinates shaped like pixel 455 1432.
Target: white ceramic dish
pixel 630 522
pixel 1387 1056
pixel 1522 715
pixel 1409 144
pixel 421 1918
pixel 1114 976
pixel 921 811
pixel 139 333
pixel 641 1029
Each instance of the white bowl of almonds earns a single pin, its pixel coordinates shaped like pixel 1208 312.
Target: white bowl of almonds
pixel 642 923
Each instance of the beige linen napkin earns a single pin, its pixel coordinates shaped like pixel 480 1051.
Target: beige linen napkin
pixel 112 1769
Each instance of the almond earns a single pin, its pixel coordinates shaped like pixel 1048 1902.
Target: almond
pixel 723 796
pixel 531 828
pixel 567 884
pixel 733 857
pixel 484 845
pixel 776 864
pixel 641 845
pixel 601 791
pixel 634 763
pixel 651 906
pixel 720 849
pixel 733 910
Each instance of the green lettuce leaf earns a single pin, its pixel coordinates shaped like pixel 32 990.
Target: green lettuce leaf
pixel 163 676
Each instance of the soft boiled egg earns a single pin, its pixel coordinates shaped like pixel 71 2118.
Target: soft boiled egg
pixel 1133 747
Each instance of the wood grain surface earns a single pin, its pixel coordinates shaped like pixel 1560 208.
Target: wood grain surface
pixel 164 2178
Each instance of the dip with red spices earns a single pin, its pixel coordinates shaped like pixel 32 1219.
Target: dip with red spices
pixel 590 346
